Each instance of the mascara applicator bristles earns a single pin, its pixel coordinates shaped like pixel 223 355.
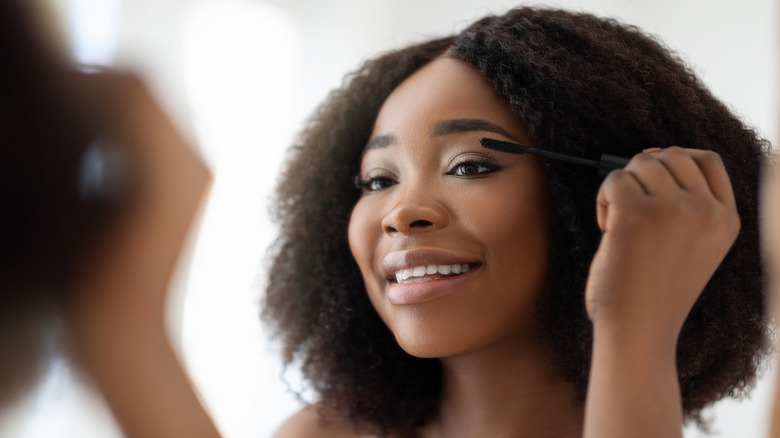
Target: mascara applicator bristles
pixel 605 164
pixel 515 148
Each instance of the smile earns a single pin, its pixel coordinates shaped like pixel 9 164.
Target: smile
pixel 419 274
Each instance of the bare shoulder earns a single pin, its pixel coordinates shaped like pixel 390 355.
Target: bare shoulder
pixel 307 423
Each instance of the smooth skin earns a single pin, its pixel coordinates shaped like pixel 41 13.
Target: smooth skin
pixel 668 220
pixel 673 207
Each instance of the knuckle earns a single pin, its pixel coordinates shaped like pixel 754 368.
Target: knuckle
pixel 614 181
pixel 614 176
pixel 638 161
pixel 711 158
pixel 675 150
pixel 673 153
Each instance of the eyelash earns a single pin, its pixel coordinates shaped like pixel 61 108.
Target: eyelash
pixel 483 161
pixel 487 164
pixel 366 184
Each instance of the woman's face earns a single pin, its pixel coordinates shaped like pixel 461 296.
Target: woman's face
pixel 451 238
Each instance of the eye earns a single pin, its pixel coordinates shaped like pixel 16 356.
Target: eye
pixel 473 166
pixel 374 183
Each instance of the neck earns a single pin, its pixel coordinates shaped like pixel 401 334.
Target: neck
pixel 505 391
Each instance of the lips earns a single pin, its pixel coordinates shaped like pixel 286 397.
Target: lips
pixel 418 258
pixel 422 274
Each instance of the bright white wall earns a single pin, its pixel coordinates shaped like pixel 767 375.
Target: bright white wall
pixel 209 61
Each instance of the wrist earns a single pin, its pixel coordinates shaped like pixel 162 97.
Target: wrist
pixel 637 336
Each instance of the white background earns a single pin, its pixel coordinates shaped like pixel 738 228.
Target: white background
pixel 240 77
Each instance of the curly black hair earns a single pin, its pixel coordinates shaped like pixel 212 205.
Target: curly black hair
pixel 581 85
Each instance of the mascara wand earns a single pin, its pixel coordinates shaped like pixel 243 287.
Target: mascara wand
pixel 604 165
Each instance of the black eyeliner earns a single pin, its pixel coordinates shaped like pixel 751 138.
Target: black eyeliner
pixel 483 161
pixel 604 165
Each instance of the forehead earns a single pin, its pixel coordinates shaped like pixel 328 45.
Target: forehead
pixel 444 89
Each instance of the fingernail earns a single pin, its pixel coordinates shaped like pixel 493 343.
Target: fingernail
pixel 651 150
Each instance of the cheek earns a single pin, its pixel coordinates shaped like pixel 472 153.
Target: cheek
pixel 358 236
pixel 520 251
pixel 514 222
pixel 514 231
pixel 363 234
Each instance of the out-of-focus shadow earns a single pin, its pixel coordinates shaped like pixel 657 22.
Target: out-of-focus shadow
pixel 46 226
pixel 770 204
pixel 99 191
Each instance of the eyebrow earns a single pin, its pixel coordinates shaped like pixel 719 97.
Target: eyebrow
pixel 446 127
pixel 381 141
pixel 456 126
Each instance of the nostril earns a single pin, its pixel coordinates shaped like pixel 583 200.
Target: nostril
pixel 412 217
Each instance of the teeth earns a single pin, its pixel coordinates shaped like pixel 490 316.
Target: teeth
pixel 418 274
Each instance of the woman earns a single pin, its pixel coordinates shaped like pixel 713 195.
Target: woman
pixel 526 319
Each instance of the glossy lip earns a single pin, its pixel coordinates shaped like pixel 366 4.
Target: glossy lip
pixel 414 293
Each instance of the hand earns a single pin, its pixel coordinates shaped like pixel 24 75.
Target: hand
pixel 668 219
pixel 770 229
pixel 115 315
pixel 124 283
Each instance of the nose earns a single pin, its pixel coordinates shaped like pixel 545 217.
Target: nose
pixel 411 215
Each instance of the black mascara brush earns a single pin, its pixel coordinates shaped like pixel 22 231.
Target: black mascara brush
pixel 604 165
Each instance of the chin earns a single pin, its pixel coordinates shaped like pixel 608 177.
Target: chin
pixel 424 350
pixel 430 340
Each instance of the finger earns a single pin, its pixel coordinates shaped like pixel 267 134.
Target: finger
pixel 682 167
pixel 620 188
pixel 714 173
pixel 654 177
